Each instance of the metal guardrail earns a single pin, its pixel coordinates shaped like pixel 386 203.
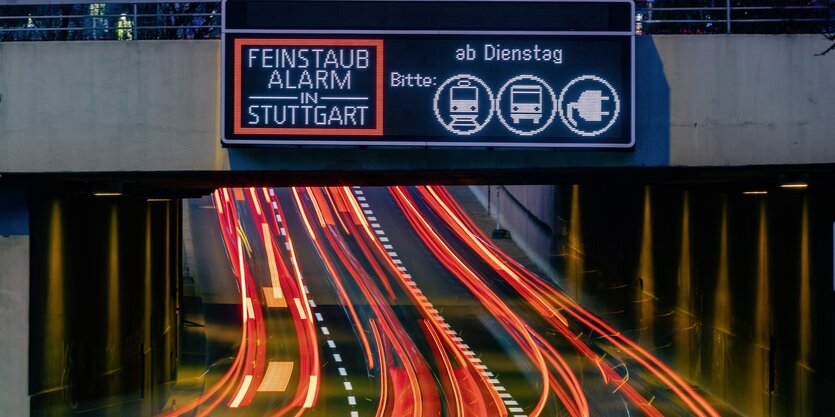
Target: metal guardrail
pixel 111 21
pixel 152 19
pixel 735 16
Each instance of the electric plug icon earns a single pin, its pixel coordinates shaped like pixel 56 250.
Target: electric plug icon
pixel 589 106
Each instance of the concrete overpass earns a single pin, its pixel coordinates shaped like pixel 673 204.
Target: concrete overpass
pixel 153 106
pixel 143 119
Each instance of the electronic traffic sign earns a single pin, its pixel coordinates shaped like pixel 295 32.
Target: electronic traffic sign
pixel 429 73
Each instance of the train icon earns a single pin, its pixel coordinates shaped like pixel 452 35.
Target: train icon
pixel 463 103
pixel 526 103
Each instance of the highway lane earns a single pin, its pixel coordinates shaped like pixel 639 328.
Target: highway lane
pixel 668 394
pixel 414 315
pixel 601 398
pixel 478 328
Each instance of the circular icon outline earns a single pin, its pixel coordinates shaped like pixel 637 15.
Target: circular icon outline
pixel 614 96
pixel 448 126
pixel 553 105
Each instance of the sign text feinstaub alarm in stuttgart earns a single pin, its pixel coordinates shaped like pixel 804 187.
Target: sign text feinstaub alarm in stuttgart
pixel 429 73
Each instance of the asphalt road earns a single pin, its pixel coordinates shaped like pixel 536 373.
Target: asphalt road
pixel 390 303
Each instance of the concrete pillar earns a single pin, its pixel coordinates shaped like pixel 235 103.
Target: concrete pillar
pixel 104 303
pixel 14 301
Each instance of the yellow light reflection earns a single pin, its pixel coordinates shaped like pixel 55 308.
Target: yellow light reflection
pixel 805 313
pixel 147 306
pixel 54 323
pixel 647 274
pixel 684 354
pixel 722 302
pixel 574 252
pixel 114 339
pixel 762 320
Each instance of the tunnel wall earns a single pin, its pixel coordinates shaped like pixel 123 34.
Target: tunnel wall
pixel 155 106
pixel 14 301
pixel 105 276
pixel 734 291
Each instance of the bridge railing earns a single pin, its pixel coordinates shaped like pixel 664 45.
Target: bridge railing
pixel 110 21
pixel 734 16
pixel 152 19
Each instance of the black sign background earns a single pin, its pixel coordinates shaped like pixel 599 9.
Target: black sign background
pixel 421 114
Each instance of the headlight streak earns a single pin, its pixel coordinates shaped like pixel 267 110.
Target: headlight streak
pixel 426 309
pixel 343 294
pixel 409 389
pixel 509 320
pixel 307 391
pixel 423 397
pixel 526 282
pixel 226 382
pixel 384 362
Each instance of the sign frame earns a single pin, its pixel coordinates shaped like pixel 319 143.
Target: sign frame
pixel 299 139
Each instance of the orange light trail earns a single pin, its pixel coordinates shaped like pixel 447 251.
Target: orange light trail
pixel 523 279
pixel 369 357
pixel 512 323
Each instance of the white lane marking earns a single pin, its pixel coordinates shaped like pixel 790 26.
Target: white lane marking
pixel 348 386
pixel 250 311
pixel 368 212
pixel 418 295
pixel 300 308
pixel 308 402
pixel 311 391
pixel 240 396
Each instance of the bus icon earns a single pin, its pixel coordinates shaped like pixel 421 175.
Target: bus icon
pixel 463 103
pixel 526 103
